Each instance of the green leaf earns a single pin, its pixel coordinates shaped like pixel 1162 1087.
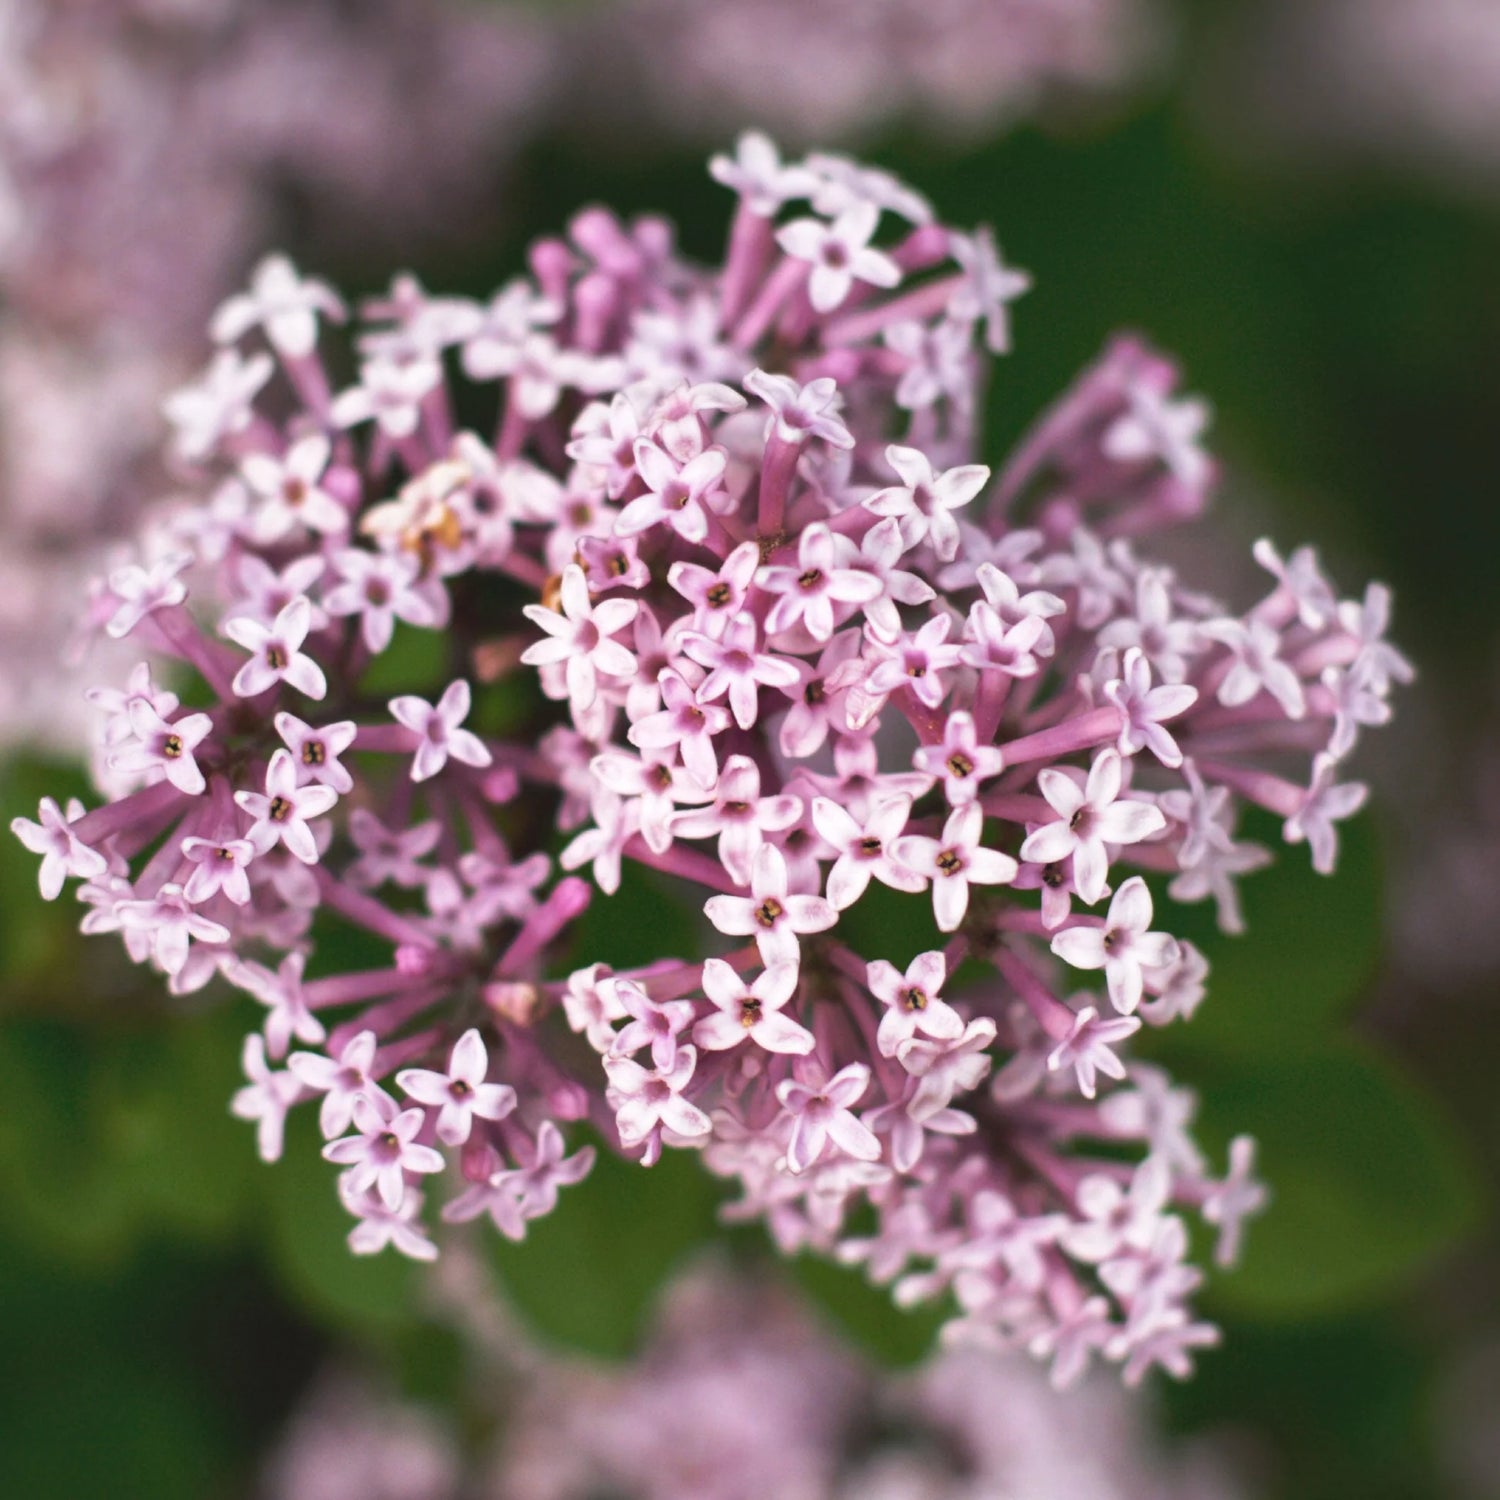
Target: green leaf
pixel 1369 1182
pixel 1310 948
pixel 651 916
pixel 865 1314
pixel 416 661
pixel 587 1276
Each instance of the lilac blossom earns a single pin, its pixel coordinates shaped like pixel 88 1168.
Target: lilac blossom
pixel 925 500
pixel 1123 947
pixel 751 1011
pixel 1091 816
pixel 779 700
pixel 460 1094
pixel 440 729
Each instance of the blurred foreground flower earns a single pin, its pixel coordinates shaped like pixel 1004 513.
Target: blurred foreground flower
pixel 803 652
pixel 738 1395
pixel 844 69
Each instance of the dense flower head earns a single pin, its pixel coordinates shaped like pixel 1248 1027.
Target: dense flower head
pixel 720 590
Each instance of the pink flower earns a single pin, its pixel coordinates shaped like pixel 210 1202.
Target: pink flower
pixel 462 1093
pixel 757 173
pixel 960 762
pixel 802 411
pixel 168 923
pixel 276 653
pixel 221 866
pixel 1325 803
pixel 737 668
pixel 647 1101
pixel 740 816
pixel 955 861
pixel 163 750
pixel 823 577
pixel 381 588
pixel 771 915
pixel 283 994
pixel 925 499
pixel 581 637
pixel 685 723
pixel 864 850
pixel 290 492
pixel 681 494
pixel 1234 1200
pixel 265 1098
pixel 820 1111
pixel 989 286
pixel 1144 708
pixel 284 304
pixel 1087 1048
pixel 384 1151
pixel 1122 947
pixel 281 813
pixel 317 751
pixel 840 254
pixel 1090 816
pixel 751 1010
pixel 1166 431
pixel 648 1023
pixel 340 1081
pixel 440 731
pixel 139 591
pixel 921 662
pixel 717 596
pixel 912 1003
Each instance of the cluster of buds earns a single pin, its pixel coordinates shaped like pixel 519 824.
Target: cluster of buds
pixel 793 646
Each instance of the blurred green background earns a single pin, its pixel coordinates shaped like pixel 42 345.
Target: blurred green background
pixel 164 1298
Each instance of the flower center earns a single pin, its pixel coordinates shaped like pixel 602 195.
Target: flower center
pixel 750 1012
pixel 913 998
pixel 769 912
pixel 950 862
pixel 810 579
pixel 280 809
pixel 719 594
pixel 960 764
pixel 313 753
pixel 276 657
pixel 868 845
pixel 171 747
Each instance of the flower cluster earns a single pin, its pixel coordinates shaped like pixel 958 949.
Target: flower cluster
pixel 796 651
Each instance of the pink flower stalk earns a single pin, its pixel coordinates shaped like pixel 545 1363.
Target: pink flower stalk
pixel 782 698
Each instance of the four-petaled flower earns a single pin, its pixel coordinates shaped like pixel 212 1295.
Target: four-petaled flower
pixel 925 499
pixel 1122 947
pixel 751 1010
pixel 840 254
pixel 385 1149
pixel 1090 817
pixel 282 811
pixel 770 914
pixel 955 861
pixel 820 1111
pixel 912 1003
pixel 276 653
pixel 440 731
pixel 581 637
pixel 462 1092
